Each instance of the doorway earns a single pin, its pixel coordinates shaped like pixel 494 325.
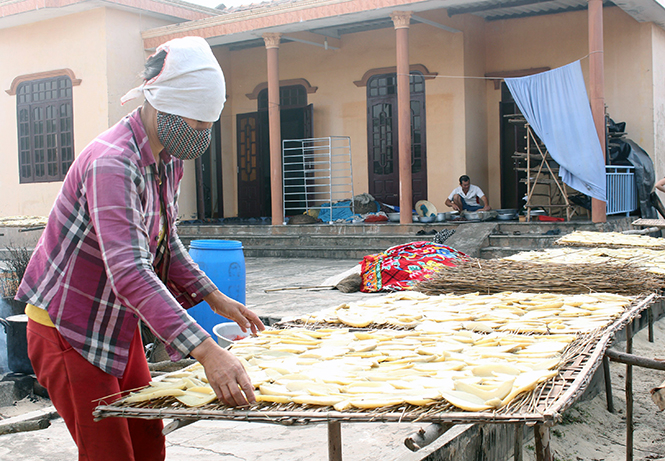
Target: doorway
pixel 382 138
pixel 210 203
pixel 513 141
pixel 253 147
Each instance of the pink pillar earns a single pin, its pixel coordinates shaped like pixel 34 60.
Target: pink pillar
pixel 274 127
pixel 597 89
pixel 401 19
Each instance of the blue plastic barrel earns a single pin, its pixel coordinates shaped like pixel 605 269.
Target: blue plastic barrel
pixel 224 262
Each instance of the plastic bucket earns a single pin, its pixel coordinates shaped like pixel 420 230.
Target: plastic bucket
pixel 224 262
pixel 17 343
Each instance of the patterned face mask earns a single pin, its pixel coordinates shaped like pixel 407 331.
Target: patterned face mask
pixel 179 139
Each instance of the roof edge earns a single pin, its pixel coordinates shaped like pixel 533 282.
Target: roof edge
pixel 644 10
pixel 175 8
pixel 254 19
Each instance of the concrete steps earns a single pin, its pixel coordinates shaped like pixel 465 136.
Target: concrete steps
pixel 353 241
pixel 514 237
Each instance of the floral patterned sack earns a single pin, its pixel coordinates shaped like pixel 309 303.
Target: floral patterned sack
pixel 402 266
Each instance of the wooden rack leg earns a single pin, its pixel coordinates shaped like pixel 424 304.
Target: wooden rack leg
pixel 650 319
pixel 629 395
pixel 517 449
pixel 334 441
pixel 608 384
pixel 542 435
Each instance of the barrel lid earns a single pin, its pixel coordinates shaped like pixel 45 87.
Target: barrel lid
pixel 212 244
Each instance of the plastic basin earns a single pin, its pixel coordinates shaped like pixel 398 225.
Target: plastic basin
pixel 228 332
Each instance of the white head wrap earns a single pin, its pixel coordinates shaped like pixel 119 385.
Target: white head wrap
pixel 191 83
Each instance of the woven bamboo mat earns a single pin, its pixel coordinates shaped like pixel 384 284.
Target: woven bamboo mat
pixel 545 404
pixel 591 239
pixel 643 222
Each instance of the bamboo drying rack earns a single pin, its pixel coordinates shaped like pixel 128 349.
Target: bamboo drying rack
pixel 644 222
pixel 543 406
pixel 543 168
pixel 656 245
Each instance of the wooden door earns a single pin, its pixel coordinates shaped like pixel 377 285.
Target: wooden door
pixel 382 139
pixel 418 144
pixel 249 166
pixel 383 166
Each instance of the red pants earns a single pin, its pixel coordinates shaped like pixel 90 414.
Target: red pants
pixel 74 385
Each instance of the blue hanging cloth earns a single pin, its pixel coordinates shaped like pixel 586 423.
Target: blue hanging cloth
pixel 556 105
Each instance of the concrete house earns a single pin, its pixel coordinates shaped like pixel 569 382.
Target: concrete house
pixel 303 69
pixel 65 65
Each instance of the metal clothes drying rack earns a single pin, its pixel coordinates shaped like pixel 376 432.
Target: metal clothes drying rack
pixel 316 173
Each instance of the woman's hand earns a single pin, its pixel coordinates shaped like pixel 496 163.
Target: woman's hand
pixel 225 374
pixel 233 310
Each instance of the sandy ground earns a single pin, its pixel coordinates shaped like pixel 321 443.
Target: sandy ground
pixel 588 431
pixel 232 441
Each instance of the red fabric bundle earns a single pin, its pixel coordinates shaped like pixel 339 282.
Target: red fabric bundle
pixel 402 266
pixel 376 218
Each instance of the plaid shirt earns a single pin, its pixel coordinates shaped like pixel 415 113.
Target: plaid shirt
pixel 92 269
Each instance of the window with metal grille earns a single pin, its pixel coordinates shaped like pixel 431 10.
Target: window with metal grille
pixel 45 129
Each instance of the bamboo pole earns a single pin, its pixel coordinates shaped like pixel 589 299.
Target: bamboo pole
pixel 608 383
pixel 426 436
pixel 25 426
pixel 528 173
pixel 334 441
pixel 176 424
pixel 517 447
pixel 542 434
pixel 33 421
pixel 629 394
pixel 630 359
